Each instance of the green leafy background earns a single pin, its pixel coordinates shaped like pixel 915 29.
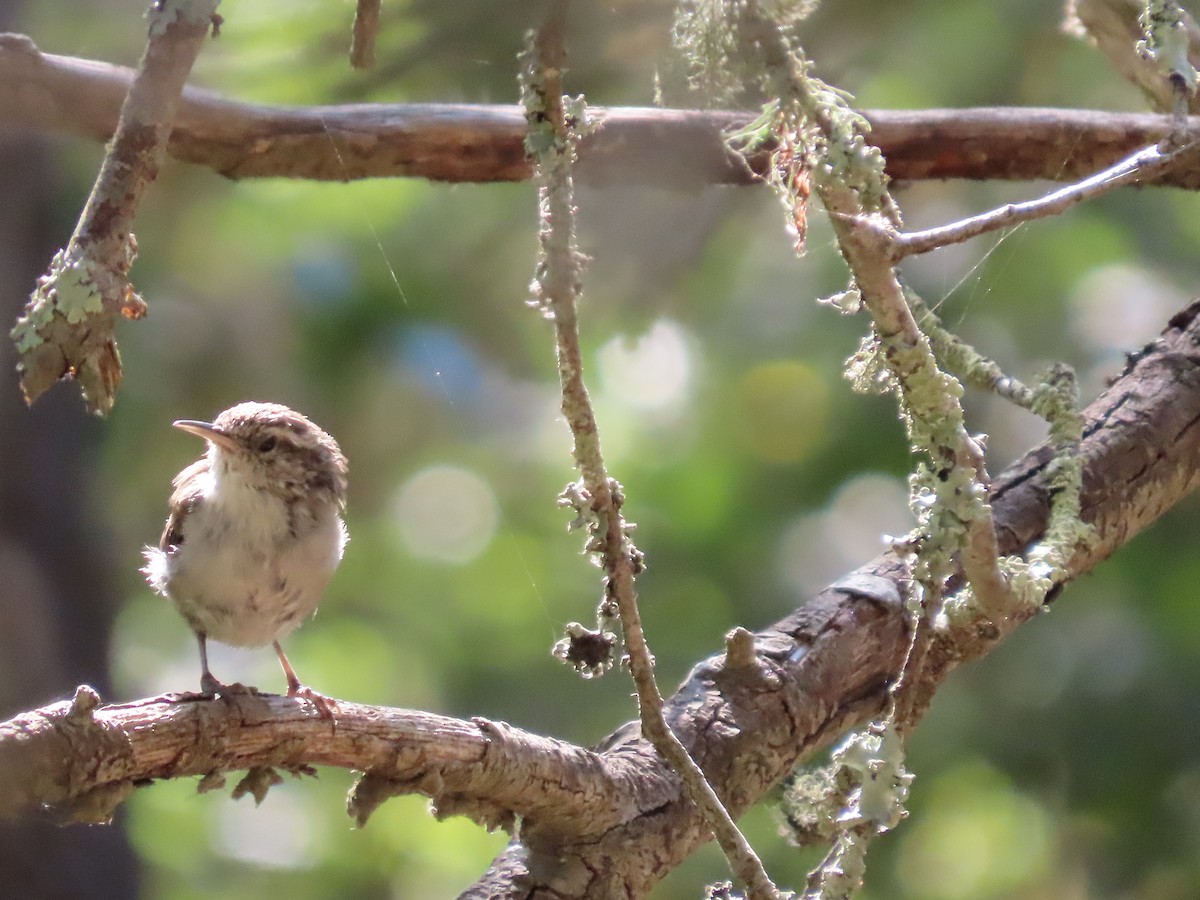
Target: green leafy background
pixel 392 312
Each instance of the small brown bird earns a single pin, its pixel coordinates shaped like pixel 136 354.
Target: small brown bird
pixel 255 532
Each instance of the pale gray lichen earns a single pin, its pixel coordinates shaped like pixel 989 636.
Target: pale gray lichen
pixel 875 759
pixel 1166 42
pixel 873 785
pixel 848 302
pixel 69 290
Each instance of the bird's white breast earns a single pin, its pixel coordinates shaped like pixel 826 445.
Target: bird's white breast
pixel 248 570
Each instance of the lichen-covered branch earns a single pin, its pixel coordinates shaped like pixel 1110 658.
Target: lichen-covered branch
pixel 68 327
pixel 1114 26
pixel 1139 443
pixel 555 127
pixel 821 148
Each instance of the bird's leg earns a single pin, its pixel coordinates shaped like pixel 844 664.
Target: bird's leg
pixel 325 705
pixel 208 684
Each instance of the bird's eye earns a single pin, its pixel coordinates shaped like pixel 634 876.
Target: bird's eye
pixel 267 444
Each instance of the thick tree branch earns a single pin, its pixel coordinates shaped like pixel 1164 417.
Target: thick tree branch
pixel 612 822
pixel 1141 440
pixel 447 142
pixel 485 770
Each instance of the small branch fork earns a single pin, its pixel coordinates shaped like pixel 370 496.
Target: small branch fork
pixel 1143 166
pixel 552 143
pixel 68 326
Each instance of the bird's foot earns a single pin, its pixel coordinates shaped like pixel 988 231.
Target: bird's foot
pixel 210 687
pixel 325 705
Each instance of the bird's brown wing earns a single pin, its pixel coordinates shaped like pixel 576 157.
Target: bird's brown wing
pixel 189 487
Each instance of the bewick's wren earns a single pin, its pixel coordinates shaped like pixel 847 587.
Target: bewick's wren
pixel 255 532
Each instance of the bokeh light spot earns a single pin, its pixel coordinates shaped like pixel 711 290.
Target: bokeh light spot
pixel 652 372
pixel 818 547
pixel 446 514
pixel 282 833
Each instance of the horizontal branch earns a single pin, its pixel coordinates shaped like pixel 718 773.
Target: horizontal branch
pixel 75 760
pixel 483 143
pixel 819 671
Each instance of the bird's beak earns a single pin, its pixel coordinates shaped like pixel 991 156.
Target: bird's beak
pixel 208 432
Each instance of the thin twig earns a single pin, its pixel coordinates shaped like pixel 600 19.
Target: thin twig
pixel 558 285
pixel 1145 165
pixel 362 37
pixel 967 363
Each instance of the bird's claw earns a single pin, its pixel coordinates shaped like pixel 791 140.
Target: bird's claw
pixel 325 705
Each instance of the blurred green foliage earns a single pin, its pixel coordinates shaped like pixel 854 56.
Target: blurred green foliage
pixel 392 312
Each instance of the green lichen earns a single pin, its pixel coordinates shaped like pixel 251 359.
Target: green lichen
pixel 1056 399
pixel 25 333
pixel 964 360
pixel 867 370
pixel 75 294
pixel 930 408
pixel 737 48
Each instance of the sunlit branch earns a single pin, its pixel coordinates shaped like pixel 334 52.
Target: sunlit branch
pixel 1145 166
pixel 821 670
